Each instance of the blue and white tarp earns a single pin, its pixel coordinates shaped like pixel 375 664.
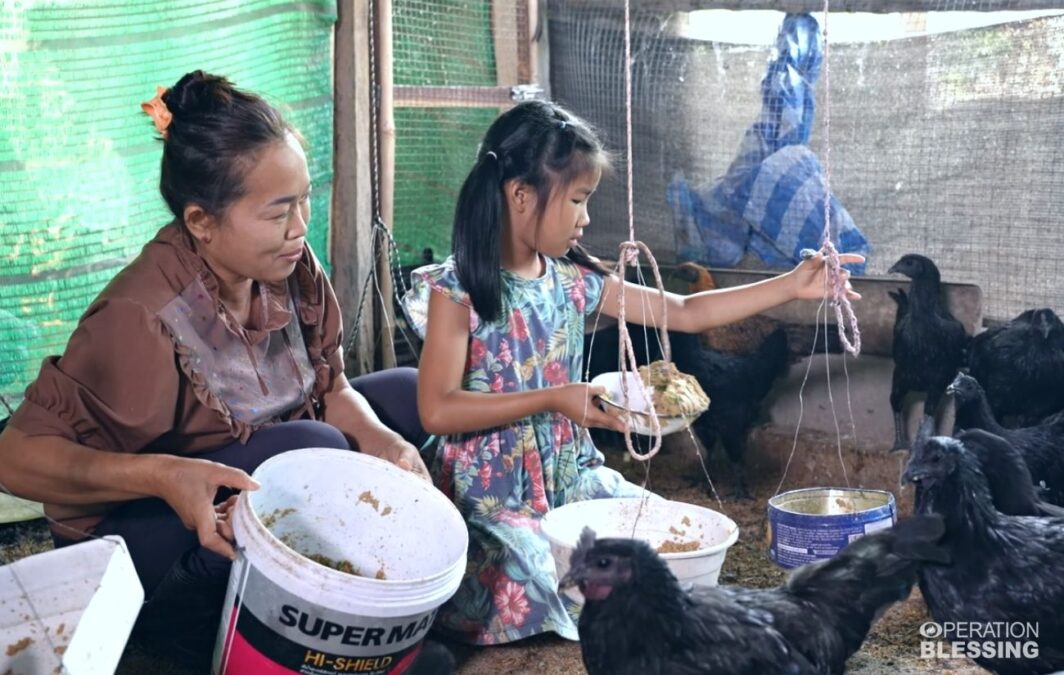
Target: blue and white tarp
pixel 771 199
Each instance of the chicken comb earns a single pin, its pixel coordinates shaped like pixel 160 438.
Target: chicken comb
pixel 587 539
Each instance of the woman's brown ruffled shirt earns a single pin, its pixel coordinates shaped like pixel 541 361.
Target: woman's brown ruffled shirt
pixel 157 364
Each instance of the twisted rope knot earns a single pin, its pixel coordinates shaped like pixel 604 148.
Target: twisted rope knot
pixel 844 314
pixel 630 253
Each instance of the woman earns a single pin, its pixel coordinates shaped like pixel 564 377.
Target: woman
pixel 216 349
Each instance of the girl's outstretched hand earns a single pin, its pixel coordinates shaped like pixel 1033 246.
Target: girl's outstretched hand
pixel 577 402
pixel 809 277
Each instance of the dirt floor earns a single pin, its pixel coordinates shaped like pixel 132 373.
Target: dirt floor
pixel 892 647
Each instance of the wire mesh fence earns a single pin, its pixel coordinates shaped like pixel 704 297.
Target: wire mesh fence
pixel 941 143
pixel 455 65
pixel 942 133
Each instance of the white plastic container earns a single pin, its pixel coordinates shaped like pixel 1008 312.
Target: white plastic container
pixel 69 610
pixel 286 613
pixel 659 522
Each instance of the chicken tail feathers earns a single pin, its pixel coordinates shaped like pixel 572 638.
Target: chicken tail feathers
pixel 877 562
pixel 1048 510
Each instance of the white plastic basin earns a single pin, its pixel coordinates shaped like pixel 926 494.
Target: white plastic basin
pixel 661 521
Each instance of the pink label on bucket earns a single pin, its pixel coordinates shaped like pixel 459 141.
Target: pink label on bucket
pixel 274 632
pixel 243 658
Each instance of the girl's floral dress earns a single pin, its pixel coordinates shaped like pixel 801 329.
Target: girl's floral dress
pixel 504 480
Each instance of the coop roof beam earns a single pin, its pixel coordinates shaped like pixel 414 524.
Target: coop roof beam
pixel 797 6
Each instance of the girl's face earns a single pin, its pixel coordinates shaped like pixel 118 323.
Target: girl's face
pixel 261 235
pixel 562 222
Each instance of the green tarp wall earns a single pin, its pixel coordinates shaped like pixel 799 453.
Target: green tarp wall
pixel 79 162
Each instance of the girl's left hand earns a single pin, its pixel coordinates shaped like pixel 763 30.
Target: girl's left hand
pixel 809 277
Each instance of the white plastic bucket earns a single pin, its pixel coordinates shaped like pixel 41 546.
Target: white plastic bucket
pixel 658 521
pixel 286 613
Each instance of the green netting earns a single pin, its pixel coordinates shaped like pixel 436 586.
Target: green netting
pixel 441 45
pixel 79 168
pixel 433 152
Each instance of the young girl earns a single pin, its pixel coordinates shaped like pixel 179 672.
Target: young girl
pixel 499 381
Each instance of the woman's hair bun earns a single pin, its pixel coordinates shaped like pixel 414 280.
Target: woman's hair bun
pixel 199 93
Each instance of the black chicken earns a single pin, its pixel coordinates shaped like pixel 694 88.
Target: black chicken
pixel 637 619
pixel 1040 446
pixel 1005 568
pixel 434 659
pixel 735 383
pixel 1011 488
pixel 1021 366
pixel 929 343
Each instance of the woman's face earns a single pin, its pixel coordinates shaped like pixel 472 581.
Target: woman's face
pixel 261 235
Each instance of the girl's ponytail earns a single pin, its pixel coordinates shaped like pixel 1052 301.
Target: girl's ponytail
pixel 478 219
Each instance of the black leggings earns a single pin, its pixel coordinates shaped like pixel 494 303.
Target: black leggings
pixel 155 535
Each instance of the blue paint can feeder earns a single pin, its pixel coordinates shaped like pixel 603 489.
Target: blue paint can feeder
pixel 816 523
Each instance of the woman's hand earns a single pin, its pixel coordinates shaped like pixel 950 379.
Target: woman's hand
pixel 809 277
pixel 224 524
pixel 190 485
pixel 393 448
pixel 577 402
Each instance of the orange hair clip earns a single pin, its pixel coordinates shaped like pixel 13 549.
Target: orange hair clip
pixel 158 112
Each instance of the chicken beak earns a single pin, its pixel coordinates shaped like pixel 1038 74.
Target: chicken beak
pixel 914 474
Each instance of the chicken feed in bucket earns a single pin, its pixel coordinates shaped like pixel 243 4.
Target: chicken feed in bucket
pixel 692 540
pixel 816 523
pixel 343 561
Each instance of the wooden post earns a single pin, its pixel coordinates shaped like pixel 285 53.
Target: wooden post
pixel 505 35
pixel 537 45
pixel 352 195
pixel 386 123
pixel 523 10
